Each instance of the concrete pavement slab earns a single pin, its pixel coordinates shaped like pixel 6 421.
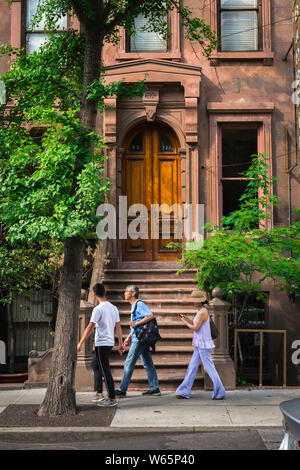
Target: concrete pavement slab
pixel 9 397
pixel 160 416
pixel 254 397
pixel 32 397
pixel 255 416
pixel 258 408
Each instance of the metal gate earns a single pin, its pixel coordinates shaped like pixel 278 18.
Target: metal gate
pixel 31 318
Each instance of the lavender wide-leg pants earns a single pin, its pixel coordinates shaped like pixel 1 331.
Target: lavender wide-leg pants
pixel 201 356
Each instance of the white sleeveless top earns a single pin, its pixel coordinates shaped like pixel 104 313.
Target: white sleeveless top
pixel 202 337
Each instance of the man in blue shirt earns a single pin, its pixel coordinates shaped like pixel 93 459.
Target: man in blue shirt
pixel 142 314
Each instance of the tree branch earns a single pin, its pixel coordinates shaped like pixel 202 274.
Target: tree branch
pixel 80 13
pixel 119 18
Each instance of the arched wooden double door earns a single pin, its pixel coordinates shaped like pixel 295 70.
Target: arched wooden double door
pixel 151 175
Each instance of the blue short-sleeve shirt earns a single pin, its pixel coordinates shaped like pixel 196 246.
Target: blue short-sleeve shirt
pixel 142 311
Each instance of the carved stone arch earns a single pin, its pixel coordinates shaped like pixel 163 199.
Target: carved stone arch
pixel 167 120
pixel 128 127
pixel 175 126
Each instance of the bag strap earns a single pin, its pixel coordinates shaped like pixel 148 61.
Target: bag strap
pixel 134 310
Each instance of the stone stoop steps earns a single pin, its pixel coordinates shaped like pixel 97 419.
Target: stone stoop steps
pixel 167 295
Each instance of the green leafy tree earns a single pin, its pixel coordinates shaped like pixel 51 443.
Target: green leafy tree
pixel 29 267
pixel 241 253
pixel 25 268
pixel 51 188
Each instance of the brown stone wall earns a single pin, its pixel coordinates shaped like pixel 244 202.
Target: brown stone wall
pixel 255 87
pixel 296 51
pixel 4 32
pixel 242 82
pixel 240 86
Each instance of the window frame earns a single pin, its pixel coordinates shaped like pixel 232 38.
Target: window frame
pixel 127 44
pixel 220 113
pixel 173 45
pixel 259 25
pixel 221 179
pixel 264 53
pixel 24 30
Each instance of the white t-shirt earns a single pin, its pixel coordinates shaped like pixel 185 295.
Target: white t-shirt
pixel 105 316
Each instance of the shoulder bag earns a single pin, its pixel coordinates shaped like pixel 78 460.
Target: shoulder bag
pixel 148 333
pixel 213 329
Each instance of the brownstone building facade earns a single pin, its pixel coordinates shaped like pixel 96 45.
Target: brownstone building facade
pixel 296 43
pixel 178 143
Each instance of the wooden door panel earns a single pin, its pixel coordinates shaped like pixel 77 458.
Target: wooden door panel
pixel 152 178
pixel 168 186
pixel 135 189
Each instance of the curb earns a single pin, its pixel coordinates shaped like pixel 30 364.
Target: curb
pixel 68 434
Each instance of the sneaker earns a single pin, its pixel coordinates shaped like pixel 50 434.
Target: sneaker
pixel 181 397
pixel 108 402
pixel 120 394
pixel 98 398
pixel 155 392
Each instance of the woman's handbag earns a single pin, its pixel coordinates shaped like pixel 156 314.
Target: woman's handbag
pixel 148 333
pixel 213 329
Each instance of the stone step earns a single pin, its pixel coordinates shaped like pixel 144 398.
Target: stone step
pixel 168 350
pixel 167 335
pixel 157 302
pixel 172 324
pixel 173 341
pixel 171 285
pixel 141 376
pixel 162 313
pixel 116 361
pixel 142 274
pixel 147 294
pixel 148 280
pixel 167 374
pixel 164 386
pixel 166 294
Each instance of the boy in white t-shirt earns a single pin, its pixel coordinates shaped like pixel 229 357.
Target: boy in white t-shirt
pixel 105 317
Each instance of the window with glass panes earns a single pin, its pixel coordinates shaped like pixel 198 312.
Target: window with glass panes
pixel 237 146
pixel 240 25
pixel 36 36
pixel 145 41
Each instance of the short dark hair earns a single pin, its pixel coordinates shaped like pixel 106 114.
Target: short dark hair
pixel 99 290
pixel 134 289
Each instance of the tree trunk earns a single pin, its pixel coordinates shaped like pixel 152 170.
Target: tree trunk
pixel 60 395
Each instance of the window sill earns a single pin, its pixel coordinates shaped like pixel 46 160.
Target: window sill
pixel 176 55
pixel 266 56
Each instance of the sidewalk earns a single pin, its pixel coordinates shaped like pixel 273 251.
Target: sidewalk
pixel 242 409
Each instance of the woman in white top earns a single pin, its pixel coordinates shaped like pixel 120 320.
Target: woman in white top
pixel 203 343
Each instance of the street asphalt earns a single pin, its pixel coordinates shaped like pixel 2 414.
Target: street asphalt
pixel 237 440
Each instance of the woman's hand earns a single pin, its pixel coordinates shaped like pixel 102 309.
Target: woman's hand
pixel 184 318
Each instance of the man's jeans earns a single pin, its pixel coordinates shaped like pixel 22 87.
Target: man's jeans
pixel 136 350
